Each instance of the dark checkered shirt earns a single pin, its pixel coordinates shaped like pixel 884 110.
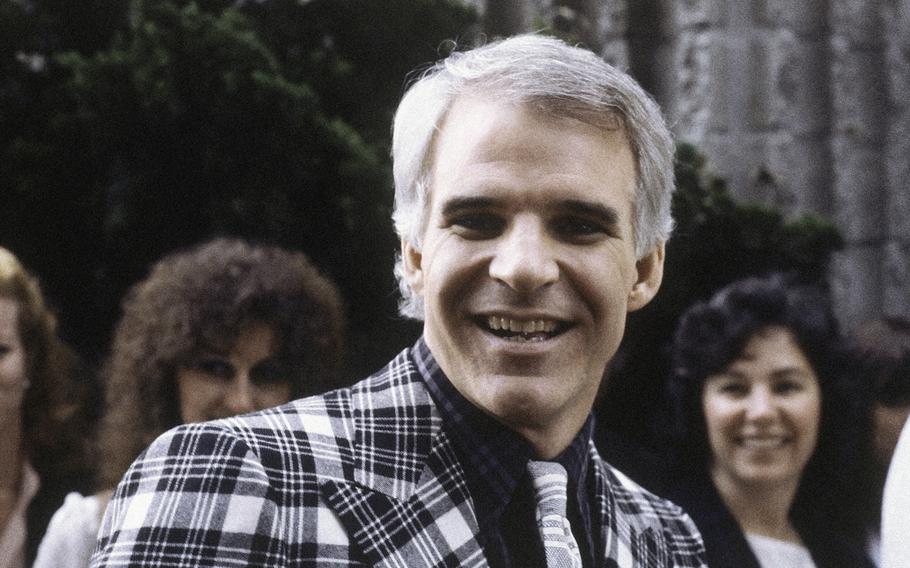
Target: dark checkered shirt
pixel 495 462
pixel 357 477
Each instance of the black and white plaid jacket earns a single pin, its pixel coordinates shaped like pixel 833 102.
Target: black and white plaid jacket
pixel 359 476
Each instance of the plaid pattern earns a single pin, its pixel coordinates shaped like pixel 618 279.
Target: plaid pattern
pixel 363 476
pixel 494 460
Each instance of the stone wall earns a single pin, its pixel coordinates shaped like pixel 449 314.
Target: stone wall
pixel 801 105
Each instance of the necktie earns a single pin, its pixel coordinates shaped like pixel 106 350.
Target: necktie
pixel 559 545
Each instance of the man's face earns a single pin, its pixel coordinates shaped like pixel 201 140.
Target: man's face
pixel 527 268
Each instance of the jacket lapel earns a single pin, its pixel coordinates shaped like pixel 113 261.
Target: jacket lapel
pixel 623 537
pixel 407 505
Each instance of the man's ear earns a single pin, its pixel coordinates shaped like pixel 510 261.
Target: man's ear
pixel 411 260
pixel 650 270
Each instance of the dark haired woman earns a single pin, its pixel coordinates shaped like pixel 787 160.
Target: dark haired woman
pixel 764 426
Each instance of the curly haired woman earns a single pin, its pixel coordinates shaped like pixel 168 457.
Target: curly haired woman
pixel 223 329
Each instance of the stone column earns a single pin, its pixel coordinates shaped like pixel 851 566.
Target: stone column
pixel 650 40
pixel 612 26
pixel 896 274
pixel 792 106
pixel 857 146
pixel 694 100
pixel 598 25
pixel 751 91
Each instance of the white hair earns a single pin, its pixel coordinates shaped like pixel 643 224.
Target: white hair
pixel 560 79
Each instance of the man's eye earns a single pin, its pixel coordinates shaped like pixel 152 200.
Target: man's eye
pixel 477 225
pixel 214 366
pixel 574 228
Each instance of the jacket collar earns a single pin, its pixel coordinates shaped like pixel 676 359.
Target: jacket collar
pixel 408 502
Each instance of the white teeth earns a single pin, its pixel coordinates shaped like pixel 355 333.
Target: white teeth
pixel 519 326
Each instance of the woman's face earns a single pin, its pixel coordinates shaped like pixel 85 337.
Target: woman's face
pixel 216 385
pixel 12 356
pixel 763 413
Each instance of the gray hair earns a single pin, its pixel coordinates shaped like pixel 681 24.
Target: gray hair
pixel 566 81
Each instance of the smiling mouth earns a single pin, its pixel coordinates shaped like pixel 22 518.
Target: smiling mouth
pixel 768 443
pixel 523 330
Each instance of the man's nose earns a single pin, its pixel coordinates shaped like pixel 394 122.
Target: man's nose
pixel 525 258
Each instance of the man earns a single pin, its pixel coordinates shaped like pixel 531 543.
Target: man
pixel 533 188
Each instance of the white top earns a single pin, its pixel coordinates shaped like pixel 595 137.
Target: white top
pixel 71 534
pixel 775 553
pixel 874 545
pixel 12 536
pixel 896 506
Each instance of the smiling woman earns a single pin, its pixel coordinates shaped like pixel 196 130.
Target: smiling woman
pixel 762 415
pixel 763 420
pixel 222 329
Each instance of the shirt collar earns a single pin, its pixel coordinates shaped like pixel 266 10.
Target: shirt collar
pixel 494 458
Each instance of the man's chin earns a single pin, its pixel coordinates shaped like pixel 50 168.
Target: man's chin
pixel 525 404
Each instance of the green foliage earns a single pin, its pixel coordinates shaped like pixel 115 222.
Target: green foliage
pixel 268 120
pixel 195 131
pixel 49 215
pixel 361 50
pixel 717 240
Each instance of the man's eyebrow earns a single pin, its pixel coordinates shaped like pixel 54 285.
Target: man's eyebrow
pixel 457 205
pixel 607 215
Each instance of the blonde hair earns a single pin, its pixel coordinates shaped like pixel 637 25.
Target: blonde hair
pixel 53 433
